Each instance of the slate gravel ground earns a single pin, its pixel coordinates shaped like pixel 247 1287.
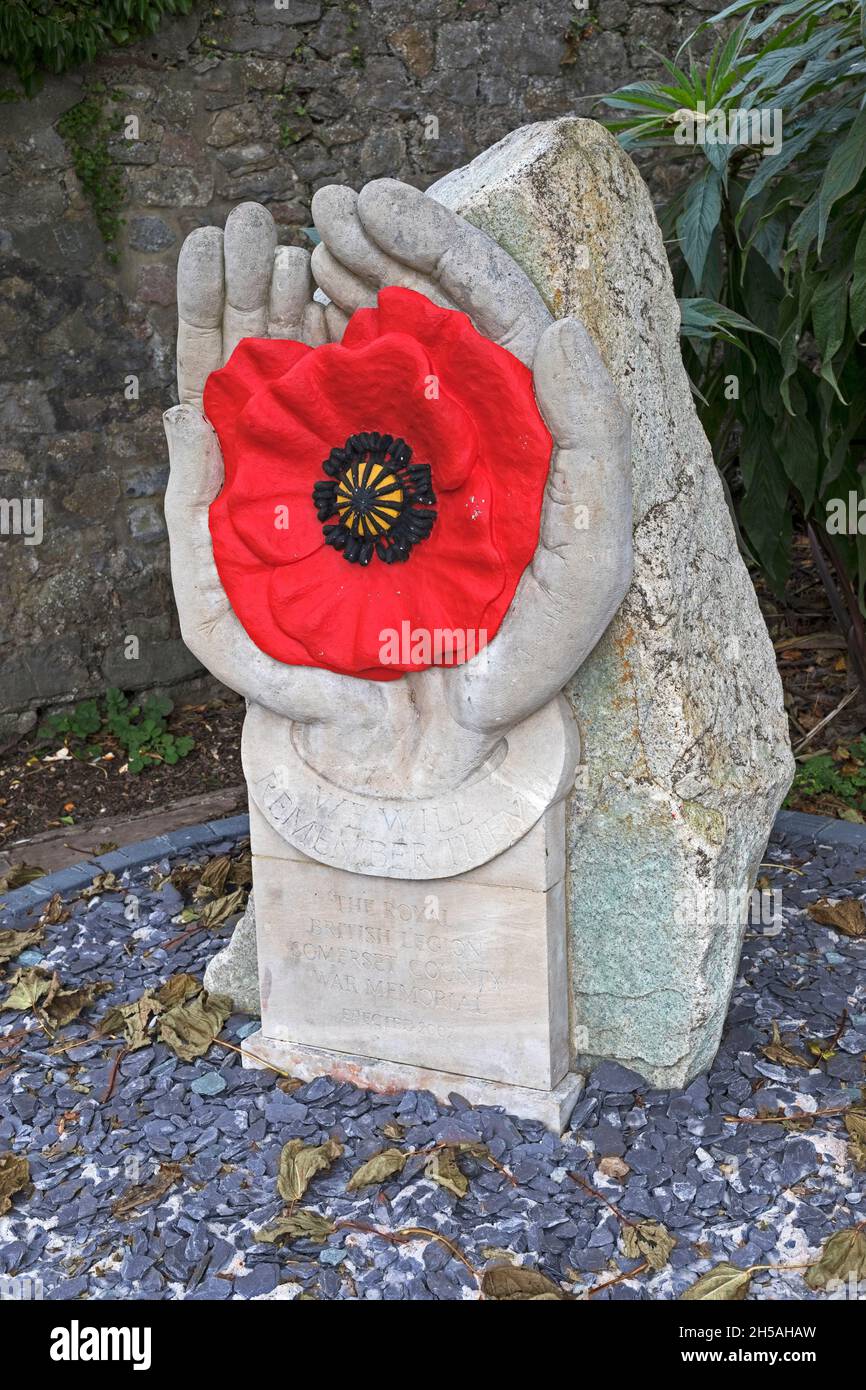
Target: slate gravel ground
pixel 748 1193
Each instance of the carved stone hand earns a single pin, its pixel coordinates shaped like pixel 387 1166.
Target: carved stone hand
pixel 479 729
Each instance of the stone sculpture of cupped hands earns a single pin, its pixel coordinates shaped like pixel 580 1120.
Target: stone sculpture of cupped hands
pixel 446 727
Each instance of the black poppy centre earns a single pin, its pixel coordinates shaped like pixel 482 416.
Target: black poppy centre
pixel 374 499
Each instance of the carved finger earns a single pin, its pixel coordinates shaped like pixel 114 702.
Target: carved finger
pixel 250 239
pixel 341 286
pixel 467 265
pixel 346 241
pixel 315 325
pixel 291 291
pixel 200 304
pixel 582 566
pixel 335 322
pixel 208 624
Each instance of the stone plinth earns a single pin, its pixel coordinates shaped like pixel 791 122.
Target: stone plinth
pixel 455 984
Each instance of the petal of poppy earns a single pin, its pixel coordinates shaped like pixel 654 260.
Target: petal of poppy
pixel 362 329
pixel 389 386
pixel 254 363
pixel 272 505
pixel 496 389
pixel 246 580
pixel 276 530
pixel 406 311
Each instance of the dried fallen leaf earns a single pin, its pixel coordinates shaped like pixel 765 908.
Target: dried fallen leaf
pixel 213 877
pixel 213 914
pixel 17 875
pixel 508 1283
pixel 723 1284
pixel 648 1240
pixel 190 1028
pixel 299 1164
pixel 302 1225
pixel 846 916
pixel 144 1194
pixel 289 1084
pixel 473 1148
pixel 12 943
pixel 14 1177
pixel 177 989
pixel 393 1131
pixel 182 877
pixel 781 1054
pixel 614 1168
pixel 10 1041
pixel 442 1168
pixel 241 871
pixel 499 1254
pixel 382 1166
pixel 855 1123
pixel 27 988
pixel 63 1005
pixel 134 1020
pixel 103 883
pixel 54 912
pixel 131 1020
pixel 799 1124
pixel 843 1256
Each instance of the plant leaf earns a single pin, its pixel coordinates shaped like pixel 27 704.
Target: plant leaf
pixel 702 207
pixel 846 916
pixel 14 1177
pixel 858 281
pixel 17 875
pixel 387 1163
pixel 12 943
pixel 855 1123
pixel 508 1283
pixel 442 1168
pixel 63 1005
pixel 299 1164
pixel 144 1194
pixel 725 1283
pixel 649 1240
pixel 842 1255
pixel 102 883
pixel 214 875
pixel 302 1225
pixel 132 1021
pixel 28 988
pixel 213 914
pixel 190 1028
pixel 843 172
pixel 177 989
pixel 54 912
pixel 783 1056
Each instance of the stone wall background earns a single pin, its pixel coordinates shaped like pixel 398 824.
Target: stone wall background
pixel 247 99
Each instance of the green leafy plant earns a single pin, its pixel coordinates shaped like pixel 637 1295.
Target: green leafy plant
pixel 141 731
pixel 87 129
pixel 767 241
pixel 39 36
pixel 841 774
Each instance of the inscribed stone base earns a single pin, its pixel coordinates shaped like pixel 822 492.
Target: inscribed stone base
pixel 455 984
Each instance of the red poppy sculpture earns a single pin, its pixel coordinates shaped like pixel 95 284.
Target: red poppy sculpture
pixel 391 483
